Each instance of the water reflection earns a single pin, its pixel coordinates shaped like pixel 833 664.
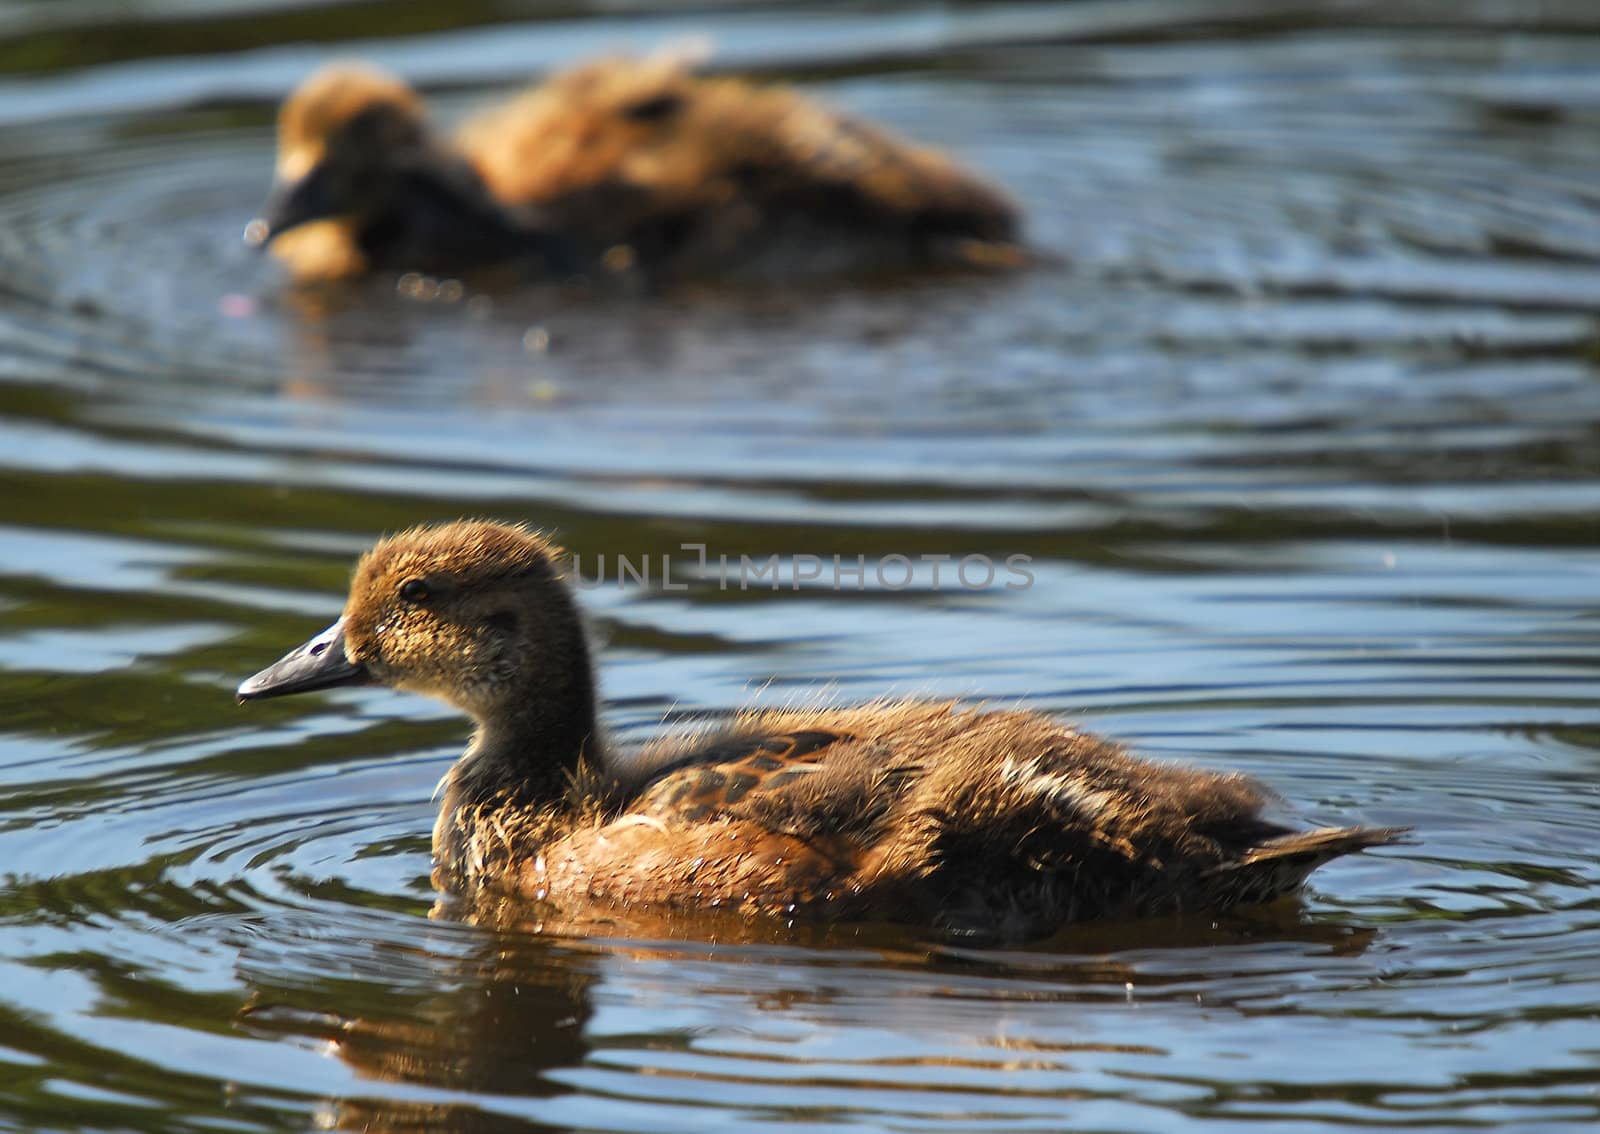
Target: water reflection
pixel 516 1021
pixel 492 1020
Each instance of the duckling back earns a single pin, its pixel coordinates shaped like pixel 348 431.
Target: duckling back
pixel 715 175
pixel 1006 824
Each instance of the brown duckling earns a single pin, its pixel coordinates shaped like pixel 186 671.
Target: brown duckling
pixel 621 163
pixel 926 814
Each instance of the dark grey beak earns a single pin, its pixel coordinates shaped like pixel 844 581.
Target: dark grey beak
pixel 291 204
pixel 319 664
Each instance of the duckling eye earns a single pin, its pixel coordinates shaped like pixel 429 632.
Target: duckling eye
pixel 415 591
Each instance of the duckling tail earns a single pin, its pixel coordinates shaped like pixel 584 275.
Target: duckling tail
pixel 1279 865
pixel 1322 844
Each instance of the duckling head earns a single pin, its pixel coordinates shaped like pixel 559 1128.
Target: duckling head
pixel 472 613
pixel 346 138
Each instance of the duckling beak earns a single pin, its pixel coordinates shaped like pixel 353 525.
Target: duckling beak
pixel 319 664
pixel 291 204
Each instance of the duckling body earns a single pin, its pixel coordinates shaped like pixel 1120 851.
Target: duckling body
pixel 920 813
pixel 618 163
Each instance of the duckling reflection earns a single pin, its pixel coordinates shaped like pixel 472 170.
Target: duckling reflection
pixel 491 1020
pixel 922 814
pixel 503 1018
pixel 618 163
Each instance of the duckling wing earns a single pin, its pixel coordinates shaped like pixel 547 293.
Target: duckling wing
pixel 720 774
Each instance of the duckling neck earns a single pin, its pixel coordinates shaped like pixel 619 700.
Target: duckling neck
pixel 440 217
pixel 528 759
pixel 513 788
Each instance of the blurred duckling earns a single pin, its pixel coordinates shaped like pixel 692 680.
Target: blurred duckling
pixel 1000 823
pixel 617 164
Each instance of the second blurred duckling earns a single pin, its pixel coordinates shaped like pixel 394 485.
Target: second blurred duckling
pixel 626 163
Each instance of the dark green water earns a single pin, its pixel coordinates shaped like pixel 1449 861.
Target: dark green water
pixel 1301 432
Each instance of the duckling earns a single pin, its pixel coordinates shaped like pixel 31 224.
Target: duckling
pixel 925 814
pixel 618 163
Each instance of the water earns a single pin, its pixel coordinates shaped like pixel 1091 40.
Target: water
pixel 1300 427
